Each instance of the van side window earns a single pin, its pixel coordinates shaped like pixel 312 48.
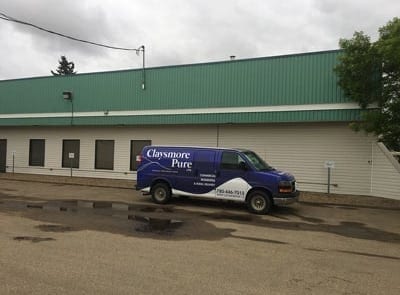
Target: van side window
pixel 231 161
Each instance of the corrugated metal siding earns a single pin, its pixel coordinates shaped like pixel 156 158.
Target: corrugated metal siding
pixel 282 80
pixel 385 176
pixel 298 148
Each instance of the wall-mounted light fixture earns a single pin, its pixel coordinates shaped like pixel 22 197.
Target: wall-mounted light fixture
pixel 67 95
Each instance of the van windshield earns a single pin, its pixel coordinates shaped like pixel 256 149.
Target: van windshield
pixel 257 162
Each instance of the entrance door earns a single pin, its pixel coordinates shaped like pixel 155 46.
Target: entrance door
pixel 3 155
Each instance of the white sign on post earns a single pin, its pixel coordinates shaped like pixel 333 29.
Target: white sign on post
pixel 329 164
pixel 71 155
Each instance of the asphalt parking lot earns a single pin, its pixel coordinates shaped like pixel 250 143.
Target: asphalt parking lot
pixel 76 239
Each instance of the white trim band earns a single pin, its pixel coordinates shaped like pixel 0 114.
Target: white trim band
pixel 225 110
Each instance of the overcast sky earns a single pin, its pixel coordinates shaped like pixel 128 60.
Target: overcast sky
pixel 177 31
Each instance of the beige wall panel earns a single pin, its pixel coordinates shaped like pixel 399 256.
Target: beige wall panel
pixel 385 176
pixel 303 148
pixel 298 148
pixel 18 141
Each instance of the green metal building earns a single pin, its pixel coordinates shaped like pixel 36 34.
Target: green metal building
pixel 288 109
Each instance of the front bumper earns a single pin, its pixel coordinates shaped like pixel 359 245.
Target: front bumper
pixel 286 199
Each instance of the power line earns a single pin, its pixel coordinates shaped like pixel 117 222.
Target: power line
pixel 11 19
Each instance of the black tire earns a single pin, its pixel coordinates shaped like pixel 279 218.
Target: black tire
pixel 259 202
pixel 161 193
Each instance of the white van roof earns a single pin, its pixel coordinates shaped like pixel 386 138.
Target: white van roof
pixel 200 147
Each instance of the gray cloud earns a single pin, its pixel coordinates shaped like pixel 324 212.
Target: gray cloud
pixel 177 31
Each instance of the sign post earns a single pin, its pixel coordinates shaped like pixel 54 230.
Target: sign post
pixel 330 165
pixel 71 156
pixel 13 158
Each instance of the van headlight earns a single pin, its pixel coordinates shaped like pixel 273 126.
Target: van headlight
pixel 285 187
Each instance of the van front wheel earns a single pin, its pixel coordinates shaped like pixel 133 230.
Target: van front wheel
pixel 160 193
pixel 259 202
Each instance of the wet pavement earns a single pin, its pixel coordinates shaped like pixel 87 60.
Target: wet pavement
pixel 129 219
pixel 302 249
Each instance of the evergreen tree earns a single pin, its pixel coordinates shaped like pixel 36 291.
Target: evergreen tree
pixel 65 68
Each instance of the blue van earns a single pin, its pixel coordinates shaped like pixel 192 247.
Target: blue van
pixel 215 173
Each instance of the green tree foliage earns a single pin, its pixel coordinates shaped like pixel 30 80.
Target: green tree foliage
pixel 369 73
pixel 65 67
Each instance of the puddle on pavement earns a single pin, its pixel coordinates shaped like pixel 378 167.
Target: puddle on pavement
pixel 260 240
pixel 315 249
pixel 33 239
pixel 8 190
pixel 309 219
pixel 353 253
pixel 102 205
pixel 113 217
pixel 2 195
pixel 155 225
pixel 319 205
pixel 54 228
pixel 368 254
pixel 346 208
pixel 228 216
pixel 34 206
pixel 157 209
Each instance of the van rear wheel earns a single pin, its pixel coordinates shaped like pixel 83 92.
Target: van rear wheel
pixel 160 193
pixel 259 202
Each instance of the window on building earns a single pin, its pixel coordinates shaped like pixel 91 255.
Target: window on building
pixel 104 156
pixel 36 152
pixel 3 155
pixel 231 161
pixel 70 152
pixel 136 148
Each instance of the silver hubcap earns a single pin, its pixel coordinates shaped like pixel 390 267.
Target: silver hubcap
pixel 160 194
pixel 258 203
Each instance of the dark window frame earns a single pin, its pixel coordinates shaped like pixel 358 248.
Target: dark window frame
pixel 3 155
pixel 66 162
pixel 96 157
pixel 231 166
pixel 133 163
pixel 37 158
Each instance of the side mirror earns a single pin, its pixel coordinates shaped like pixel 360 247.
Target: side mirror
pixel 243 166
